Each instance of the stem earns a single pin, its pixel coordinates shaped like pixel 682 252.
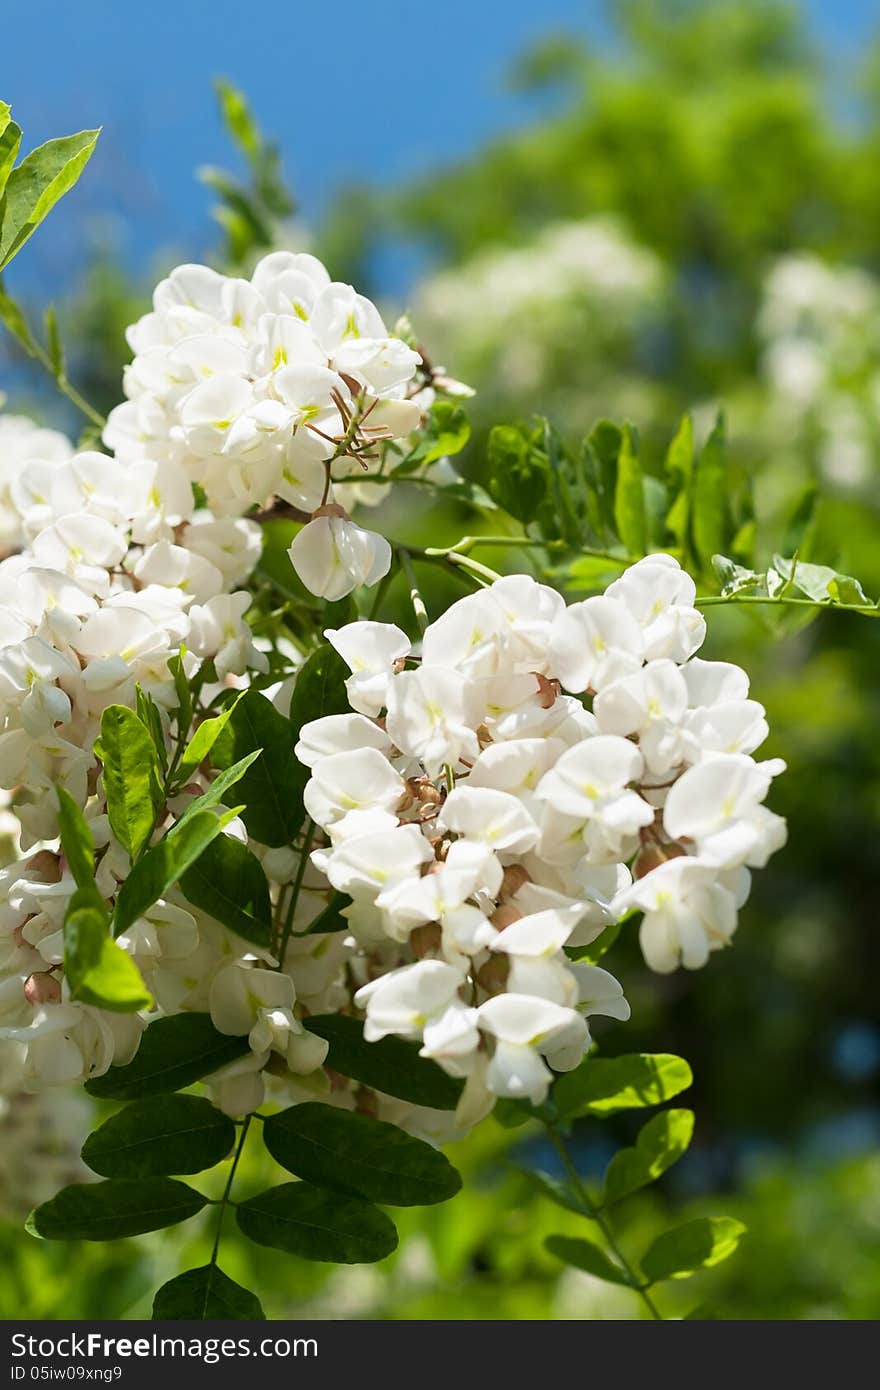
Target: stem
pixel 224 1200
pixel 294 896
pixel 468 543
pixel 415 592
pixel 870 610
pixel 598 1215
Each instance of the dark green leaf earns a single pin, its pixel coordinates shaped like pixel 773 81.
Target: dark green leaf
pixel 390 1065
pixel 629 496
pixel 583 1254
pixel 132 777
pixel 319 688
pixel 602 1085
pixel 227 881
pixel 110 1210
pixel 205 1294
pixel 184 710
pixel 34 187
pixel 561 1193
pixel 77 840
pixel 174 1052
pixel 710 518
pixel 517 474
pixel 158 1137
pixel 164 864
pixel 696 1245
pixel 148 713
pixel 352 1153
pixel 661 1142
pixel 271 788
pixel 317 1224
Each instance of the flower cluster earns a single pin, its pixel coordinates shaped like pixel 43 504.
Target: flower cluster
pixel 21 442
pixel 534 774
pixel 528 775
pixel 271 388
pixel 587 280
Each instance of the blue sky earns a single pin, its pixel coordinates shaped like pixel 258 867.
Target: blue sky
pixel 350 90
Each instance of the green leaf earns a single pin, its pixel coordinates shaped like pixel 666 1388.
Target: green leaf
pixel 734 578
pixel 97 970
pixel 271 788
pixel 217 790
pixel 237 118
pixel 148 714
pixel 604 1085
pixel 132 777
pixel 184 709
pixel 390 1065
pixel 227 881
pixel 679 467
pixel 561 1193
pixel 158 1137
pixel 34 187
pixel 77 840
pixel 162 866
pixel 354 1154
pixel 583 1254
pixel 696 1245
pixel 445 432
pixel 517 473
pixel 174 1052
pixel 317 1224
pixel 201 743
pixel 820 582
pixel 18 326
pixel 205 1294
pixel 710 519
pixel 319 689
pixel 110 1210
pixel 629 496
pixel 661 1142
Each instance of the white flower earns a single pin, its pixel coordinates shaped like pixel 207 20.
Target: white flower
pixel 359 780
pixel 660 595
pixel 370 650
pixel 717 805
pixel 332 555
pixel 688 912
pixel 587 801
pixel 405 1001
pixel 594 643
pixel 218 629
pixel 433 715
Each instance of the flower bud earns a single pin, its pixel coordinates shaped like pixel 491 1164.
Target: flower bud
pixel 42 988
